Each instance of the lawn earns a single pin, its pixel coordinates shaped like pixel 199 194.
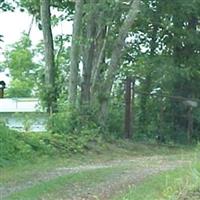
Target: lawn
pixel 102 172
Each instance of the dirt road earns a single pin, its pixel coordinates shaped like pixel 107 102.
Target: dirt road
pixel 124 173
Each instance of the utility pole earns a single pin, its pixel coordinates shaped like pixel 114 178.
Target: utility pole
pixel 129 96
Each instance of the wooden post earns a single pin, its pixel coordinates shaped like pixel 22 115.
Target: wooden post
pixel 1 92
pixel 160 137
pixel 133 108
pixel 2 87
pixel 191 104
pixel 190 124
pixel 128 109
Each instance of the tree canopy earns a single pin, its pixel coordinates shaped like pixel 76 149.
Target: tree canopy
pixel 153 43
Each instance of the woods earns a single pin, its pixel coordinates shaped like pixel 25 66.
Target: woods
pixel 148 41
pixel 100 99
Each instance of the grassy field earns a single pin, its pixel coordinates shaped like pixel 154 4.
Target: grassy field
pixel 105 171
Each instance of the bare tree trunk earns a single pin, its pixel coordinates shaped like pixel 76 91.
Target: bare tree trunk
pixel 89 54
pixel 128 109
pixel 30 27
pixel 75 57
pixel 100 55
pixel 117 52
pixel 120 43
pixel 49 55
pixel 133 106
pixel 190 125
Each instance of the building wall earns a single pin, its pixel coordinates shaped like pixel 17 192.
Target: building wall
pixel 35 122
pixel 20 105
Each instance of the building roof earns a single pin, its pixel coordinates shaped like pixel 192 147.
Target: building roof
pixel 20 105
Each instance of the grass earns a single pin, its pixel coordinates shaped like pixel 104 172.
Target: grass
pixel 62 186
pixel 171 185
pixel 96 153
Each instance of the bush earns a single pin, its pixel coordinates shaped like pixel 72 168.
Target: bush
pixel 11 146
pixel 64 122
pixel 17 146
pixel 115 121
pixel 71 121
pixel 73 143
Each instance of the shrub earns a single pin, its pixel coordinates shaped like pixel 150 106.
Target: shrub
pixel 17 146
pixel 11 147
pixel 64 122
pixel 72 121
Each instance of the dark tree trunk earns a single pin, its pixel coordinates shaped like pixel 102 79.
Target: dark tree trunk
pixel 143 104
pixel 133 107
pixel 1 92
pixel 49 55
pixel 190 125
pixel 128 109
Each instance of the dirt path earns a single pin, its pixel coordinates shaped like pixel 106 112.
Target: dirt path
pixel 133 171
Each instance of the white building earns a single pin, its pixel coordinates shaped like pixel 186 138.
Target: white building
pixel 23 114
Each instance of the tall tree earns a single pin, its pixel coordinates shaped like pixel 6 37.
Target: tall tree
pixel 117 50
pixel 75 56
pixel 94 54
pixel 50 71
pixel 89 52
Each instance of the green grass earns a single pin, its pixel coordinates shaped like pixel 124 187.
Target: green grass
pixel 171 185
pixel 62 185
pixel 96 153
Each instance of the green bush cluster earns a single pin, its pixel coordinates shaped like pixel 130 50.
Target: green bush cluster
pixel 17 146
pixel 9 144
pixel 72 120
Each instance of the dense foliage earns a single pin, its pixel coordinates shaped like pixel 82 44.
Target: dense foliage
pixel 147 40
pixel 17 147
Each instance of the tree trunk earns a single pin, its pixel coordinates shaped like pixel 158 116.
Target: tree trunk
pixel 120 43
pixel 160 122
pixel 190 125
pixel 49 55
pixel 133 106
pixel 89 55
pixel 100 59
pixel 128 109
pixel 117 52
pixel 143 104
pixel 75 57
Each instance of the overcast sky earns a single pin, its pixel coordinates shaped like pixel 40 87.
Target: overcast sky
pixel 12 24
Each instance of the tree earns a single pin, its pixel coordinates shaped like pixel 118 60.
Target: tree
pixel 50 71
pixel 75 48
pixel 184 46
pixel 23 70
pixel 93 53
pixel 145 39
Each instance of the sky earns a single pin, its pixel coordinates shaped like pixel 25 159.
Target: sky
pixel 13 24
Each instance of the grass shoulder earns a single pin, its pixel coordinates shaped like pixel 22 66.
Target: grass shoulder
pixel 179 184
